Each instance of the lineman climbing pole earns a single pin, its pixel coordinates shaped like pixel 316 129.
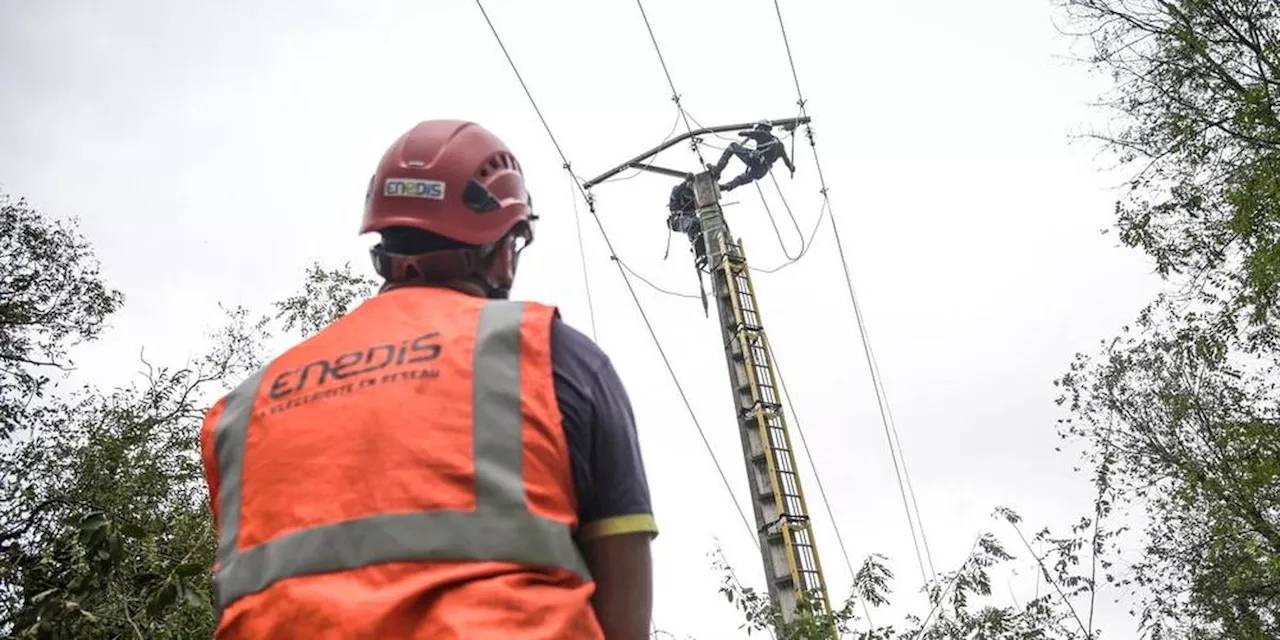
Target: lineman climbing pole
pixel 787 544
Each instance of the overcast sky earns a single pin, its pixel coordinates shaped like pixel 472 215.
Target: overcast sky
pixel 213 149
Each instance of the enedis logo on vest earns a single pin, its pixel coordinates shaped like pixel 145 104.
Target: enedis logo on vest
pixel 373 366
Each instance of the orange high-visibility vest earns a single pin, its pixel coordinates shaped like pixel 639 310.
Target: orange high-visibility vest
pixel 401 474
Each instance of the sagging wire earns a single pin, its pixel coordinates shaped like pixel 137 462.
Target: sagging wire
pixel 675 95
pixel 591 207
pixel 805 242
pixel 822 213
pixel 774 223
pixel 716 134
pixel 911 506
pixel 670 134
pixel 691 296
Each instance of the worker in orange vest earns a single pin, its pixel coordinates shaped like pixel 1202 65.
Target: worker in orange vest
pixel 441 462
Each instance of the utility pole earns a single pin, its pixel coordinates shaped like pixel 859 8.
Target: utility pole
pixel 787 545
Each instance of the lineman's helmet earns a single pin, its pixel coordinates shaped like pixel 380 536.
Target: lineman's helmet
pixel 451 178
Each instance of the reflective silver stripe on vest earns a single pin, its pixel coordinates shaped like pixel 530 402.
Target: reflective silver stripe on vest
pixel 500 529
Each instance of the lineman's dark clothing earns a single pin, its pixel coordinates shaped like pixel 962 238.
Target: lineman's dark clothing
pixel 684 218
pixel 769 149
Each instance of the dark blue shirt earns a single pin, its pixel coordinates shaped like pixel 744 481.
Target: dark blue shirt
pixel 600 429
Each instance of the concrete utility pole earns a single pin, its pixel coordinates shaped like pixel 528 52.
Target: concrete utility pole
pixel 787 546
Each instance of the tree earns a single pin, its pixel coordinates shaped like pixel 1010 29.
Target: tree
pixel 962 603
pixel 1181 413
pixel 118 540
pixel 106 530
pixel 1191 428
pixel 51 298
pixel 326 295
pixel 1195 100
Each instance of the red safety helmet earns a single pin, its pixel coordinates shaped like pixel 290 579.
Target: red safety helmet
pixel 452 178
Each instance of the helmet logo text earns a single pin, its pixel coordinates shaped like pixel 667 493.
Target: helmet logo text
pixel 413 188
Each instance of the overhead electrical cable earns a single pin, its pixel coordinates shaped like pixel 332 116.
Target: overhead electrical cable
pixel 774 223
pixel 675 95
pixel 567 167
pixel 817 224
pixel 639 307
pixel 890 429
pixel 805 242
pixel 641 278
pixel 716 134
pixel 582 253
pixel 893 427
pixel 636 172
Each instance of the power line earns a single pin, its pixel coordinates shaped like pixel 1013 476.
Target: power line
pixel 675 95
pixel 670 135
pixel 822 491
pixel 790 59
pixel 582 255
pixel 806 243
pixel 804 247
pixel 671 370
pixel 714 133
pixel 677 294
pixel 890 429
pixel 774 223
pixel 639 276
pixel 639 307
pixel 525 87
pixel 906 473
pixel 577 222
pixel 822 213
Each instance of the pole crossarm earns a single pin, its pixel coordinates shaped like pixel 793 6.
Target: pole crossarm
pixel 662 170
pixel 785 123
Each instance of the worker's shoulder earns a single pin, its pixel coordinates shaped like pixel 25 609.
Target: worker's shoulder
pixel 573 352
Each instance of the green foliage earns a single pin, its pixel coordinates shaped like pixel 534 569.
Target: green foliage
pixel 1180 415
pixel 961 600
pixel 105 528
pixel 1191 429
pixel 51 298
pixel 114 522
pixel 1195 97
pixel 326 294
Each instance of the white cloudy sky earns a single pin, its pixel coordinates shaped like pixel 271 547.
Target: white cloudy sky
pixel 213 149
